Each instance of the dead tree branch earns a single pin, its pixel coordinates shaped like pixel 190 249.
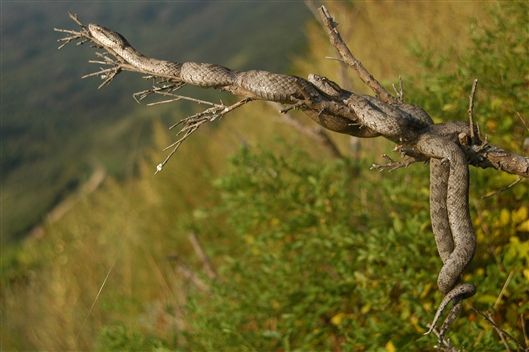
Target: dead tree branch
pixel 192 123
pixel 409 127
pixel 201 254
pixel 330 112
pixel 333 108
pixel 336 40
pixel 502 333
pixel 471 109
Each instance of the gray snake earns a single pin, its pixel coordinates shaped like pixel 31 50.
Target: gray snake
pixel 356 115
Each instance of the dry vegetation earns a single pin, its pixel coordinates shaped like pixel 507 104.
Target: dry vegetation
pixel 112 265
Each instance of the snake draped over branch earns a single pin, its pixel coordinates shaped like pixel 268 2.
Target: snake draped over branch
pixel 449 147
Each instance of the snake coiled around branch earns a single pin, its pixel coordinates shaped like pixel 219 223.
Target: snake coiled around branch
pixel 357 115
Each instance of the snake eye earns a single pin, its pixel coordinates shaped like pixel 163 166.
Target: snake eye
pixel 94 28
pixel 464 138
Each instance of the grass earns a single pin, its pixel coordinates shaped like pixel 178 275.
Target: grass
pixel 351 296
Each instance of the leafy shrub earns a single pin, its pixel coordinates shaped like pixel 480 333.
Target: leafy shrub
pixel 322 257
pixel 119 338
pixel 316 266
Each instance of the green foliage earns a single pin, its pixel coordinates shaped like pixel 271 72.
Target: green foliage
pixel 497 57
pixel 313 254
pixel 119 338
pixel 324 257
pixel 318 268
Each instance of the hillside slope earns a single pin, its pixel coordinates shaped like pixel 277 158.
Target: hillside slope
pixel 313 253
pixel 55 127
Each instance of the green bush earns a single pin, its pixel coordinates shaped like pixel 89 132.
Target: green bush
pixel 119 338
pixel 325 256
pixel 322 256
pixel 312 254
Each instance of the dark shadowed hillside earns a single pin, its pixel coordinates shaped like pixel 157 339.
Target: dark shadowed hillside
pixel 56 128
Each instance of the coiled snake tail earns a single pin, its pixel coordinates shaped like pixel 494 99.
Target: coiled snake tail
pixel 454 296
pixel 451 224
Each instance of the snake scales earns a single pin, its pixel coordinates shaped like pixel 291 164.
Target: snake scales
pixel 355 115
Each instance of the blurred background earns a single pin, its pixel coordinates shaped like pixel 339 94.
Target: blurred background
pixel 256 236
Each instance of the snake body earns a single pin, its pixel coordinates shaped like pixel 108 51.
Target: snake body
pixel 449 180
pixel 363 116
pixel 255 84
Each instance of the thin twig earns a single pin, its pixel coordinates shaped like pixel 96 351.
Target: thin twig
pixel 523 120
pixel 292 107
pixel 191 276
pixel 391 164
pixel 470 110
pixel 500 334
pixel 96 298
pixel 164 101
pixel 399 92
pixel 502 291
pixel 493 323
pixel 169 87
pixel 194 100
pixel 498 300
pixel 75 18
pixel 102 71
pixel 503 189
pixel 192 123
pixel 201 254
pixel 334 58
pixel 525 337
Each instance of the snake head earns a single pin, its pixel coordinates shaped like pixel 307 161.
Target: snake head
pixel 325 85
pixel 106 38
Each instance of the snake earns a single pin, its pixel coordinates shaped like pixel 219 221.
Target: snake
pixel 255 84
pixel 356 115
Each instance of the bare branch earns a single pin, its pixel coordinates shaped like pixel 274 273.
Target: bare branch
pixel 499 330
pixel 523 121
pixel 335 111
pixel 183 97
pixel 400 91
pixel 470 110
pixel 336 39
pixel 500 333
pixel 168 87
pixel 75 18
pixel 503 189
pixel 187 273
pixel 193 122
pixel 391 164
pixel 522 323
pixel 201 254
pixel 486 156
